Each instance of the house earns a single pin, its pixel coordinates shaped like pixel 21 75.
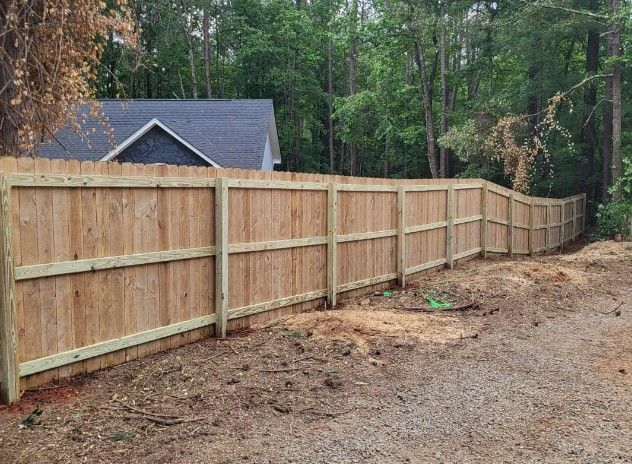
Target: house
pixel 204 132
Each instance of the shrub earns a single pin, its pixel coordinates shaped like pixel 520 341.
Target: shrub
pixel 614 218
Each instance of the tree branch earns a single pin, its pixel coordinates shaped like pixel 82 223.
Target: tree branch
pixel 567 10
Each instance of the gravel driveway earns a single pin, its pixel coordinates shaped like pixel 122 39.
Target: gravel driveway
pixel 538 370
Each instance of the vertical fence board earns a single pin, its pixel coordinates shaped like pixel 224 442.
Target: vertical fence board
pixel 130 246
pixel 48 329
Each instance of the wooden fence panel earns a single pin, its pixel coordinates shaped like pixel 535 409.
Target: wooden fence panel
pixel 119 266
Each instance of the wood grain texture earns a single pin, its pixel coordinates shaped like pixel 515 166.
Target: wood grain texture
pixel 332 244
pixel 10 386
pixel 104 252
pixel 221 257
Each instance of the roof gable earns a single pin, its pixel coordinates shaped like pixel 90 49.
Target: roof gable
pixel 231 133
pixel 145 129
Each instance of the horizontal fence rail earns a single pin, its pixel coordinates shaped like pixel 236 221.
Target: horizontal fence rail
pixel 102 263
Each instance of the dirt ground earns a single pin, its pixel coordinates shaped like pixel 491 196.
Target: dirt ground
pixel 537 369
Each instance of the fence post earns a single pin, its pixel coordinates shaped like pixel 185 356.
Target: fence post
pixel 510 226
pixel 583 213
pixel 531 225
pixel 547 237
pixel 484 193
pixel 332 243
pixel 401 236
pixel 9 367
pixel 563 226
pixel 449 248
pixel 574 235
pixel 221 256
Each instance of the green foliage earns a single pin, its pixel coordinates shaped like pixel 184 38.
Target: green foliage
pixel 614 218
pixel 463 140
pixel 503 58
pixel 624 185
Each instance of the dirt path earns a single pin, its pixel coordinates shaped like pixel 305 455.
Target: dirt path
pixel 539 370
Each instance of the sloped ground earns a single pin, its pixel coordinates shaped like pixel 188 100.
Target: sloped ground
pixel 535 366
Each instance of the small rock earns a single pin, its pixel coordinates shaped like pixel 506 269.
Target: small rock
pixel 281 408
pixel 333 382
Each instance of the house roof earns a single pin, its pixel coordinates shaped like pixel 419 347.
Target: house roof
pixel 230 133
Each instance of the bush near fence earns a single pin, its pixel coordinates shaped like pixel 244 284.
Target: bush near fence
pixel 105 262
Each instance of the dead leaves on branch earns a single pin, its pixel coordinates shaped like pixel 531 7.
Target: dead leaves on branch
pixel 49 60
pixel 518 143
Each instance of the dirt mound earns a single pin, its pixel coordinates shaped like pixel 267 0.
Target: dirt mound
pixel 359 324
pixel 601 253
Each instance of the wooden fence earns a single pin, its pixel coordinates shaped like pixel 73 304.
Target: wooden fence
pixel 104 262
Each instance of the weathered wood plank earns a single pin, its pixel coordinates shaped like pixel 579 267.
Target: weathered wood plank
pixel 67 180
pixel 35 271
pixel 358 236
pixel 367 282
pixel 547 237
pixel 449 241
pixel 424 227
pixel 510 224
pixel 276 244
pixel 221 257
pixel 401 236
pixel 467 186
pixel 110 346
pixel 465 254
pixel 426 266
pixel 465 220
pixel 276 185
pixel 531 227
pixel 484 201
pixel 332 244
pixel 275 304
pixel 366 188
pixel 10 385
pixel 426 188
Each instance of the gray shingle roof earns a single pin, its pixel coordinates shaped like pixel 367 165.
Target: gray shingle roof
pixel 230 132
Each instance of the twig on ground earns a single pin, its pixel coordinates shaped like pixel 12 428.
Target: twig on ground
pixel 614 310
pixel 326 413
pixel 157 418
pixel 287 369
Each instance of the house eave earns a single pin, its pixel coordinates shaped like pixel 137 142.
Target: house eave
pixel 155 122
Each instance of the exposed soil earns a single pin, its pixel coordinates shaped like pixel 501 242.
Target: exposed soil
pixel 533 363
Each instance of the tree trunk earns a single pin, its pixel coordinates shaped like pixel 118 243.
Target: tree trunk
pixel 606 142
pixel 614 7
pixel 188 32
pixel 443 153
pixel 207 54
pixel 588 134
pixel 9 141
pixel 330 96
pixel 426 99
pixel 353 66
pixel 110 84
pixel 194 89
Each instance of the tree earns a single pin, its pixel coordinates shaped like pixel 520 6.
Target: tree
pixel 49 57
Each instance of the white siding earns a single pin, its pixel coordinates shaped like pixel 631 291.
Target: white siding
pixel 267 164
